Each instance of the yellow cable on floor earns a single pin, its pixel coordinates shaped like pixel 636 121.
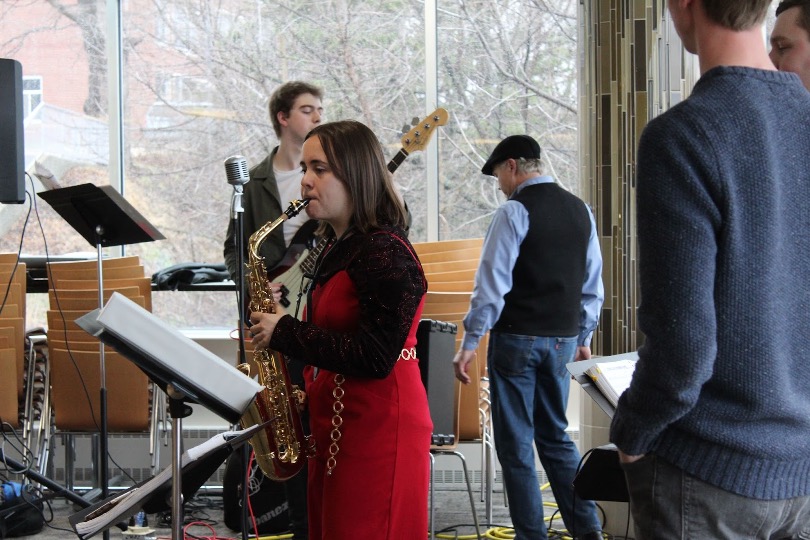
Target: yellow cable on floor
pixel 499 533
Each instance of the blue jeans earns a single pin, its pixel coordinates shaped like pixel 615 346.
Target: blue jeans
pixel 529 386
pixel 668 504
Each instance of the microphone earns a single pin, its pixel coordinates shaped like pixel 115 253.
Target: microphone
pixel 237 171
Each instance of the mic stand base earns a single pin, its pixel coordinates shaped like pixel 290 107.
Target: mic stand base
pixel 58 489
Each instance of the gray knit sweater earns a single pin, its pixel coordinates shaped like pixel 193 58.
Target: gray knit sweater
pixel 722 387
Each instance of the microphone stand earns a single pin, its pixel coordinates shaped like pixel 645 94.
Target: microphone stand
pixel 237 212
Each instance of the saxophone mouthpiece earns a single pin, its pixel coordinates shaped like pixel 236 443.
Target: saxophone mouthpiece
pixel 295 207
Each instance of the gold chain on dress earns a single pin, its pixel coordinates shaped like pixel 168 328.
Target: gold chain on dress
pixel 337 408
pixel 337 422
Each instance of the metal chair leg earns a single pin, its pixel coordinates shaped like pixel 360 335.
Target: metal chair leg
pixel 490 479
pixel 469 489
pixel 70 459
pixel 469 492
pixel 45 423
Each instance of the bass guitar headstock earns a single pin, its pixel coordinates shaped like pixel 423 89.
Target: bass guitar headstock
pixel 418 137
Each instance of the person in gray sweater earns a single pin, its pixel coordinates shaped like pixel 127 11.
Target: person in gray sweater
pixel 714 431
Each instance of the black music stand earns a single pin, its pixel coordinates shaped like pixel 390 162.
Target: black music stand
pixel 600 478
pixel 181 387
pixel 104 218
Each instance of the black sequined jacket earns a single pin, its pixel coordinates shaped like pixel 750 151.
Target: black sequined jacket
pixel 390 285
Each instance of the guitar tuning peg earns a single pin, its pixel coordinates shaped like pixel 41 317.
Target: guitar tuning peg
pixel 414 121
pixel 405 129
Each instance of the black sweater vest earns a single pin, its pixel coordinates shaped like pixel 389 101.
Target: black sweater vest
pixel 550 269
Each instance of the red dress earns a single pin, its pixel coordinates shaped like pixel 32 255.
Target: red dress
pixel 365 311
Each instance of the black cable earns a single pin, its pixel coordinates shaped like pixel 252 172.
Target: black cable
pixel 574 499
pixel 22 450
pixel 32 496
pixel 627 525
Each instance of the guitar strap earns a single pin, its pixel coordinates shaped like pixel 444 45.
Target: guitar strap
pixel 305 235
pixel 311 286
pixel 314 277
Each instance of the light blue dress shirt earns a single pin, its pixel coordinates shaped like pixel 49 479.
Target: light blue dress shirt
pixel 493 279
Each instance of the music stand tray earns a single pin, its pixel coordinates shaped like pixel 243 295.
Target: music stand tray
pixel 88 207
pixel 155 494
pixel 578 369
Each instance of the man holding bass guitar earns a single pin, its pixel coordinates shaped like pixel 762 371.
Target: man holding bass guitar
pixel 295 109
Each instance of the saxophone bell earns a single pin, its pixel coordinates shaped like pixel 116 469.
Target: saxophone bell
pixel 281 448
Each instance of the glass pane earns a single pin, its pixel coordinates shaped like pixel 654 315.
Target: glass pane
pixel 64 65
pixel 505 68
pixel 198 77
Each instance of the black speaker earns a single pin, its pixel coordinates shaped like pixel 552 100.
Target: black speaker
pixel 435 348
pixel 268 501
pixel 12 149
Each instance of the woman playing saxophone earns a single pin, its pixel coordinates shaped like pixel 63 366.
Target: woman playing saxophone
pixel 368 407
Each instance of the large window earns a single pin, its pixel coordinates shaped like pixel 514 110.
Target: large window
pixel 197 75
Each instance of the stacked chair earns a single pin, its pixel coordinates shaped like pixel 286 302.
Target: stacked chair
pixel 12 338
pixel 75 358
pixel 450 268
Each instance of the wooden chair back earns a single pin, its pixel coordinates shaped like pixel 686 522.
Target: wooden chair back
pixel 447 245
pixel 12 326
pixel 75 354
pixel 452 255
pixel 450 266
pixel 76 398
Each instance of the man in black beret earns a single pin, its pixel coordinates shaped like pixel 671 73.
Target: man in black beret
pixel 538 291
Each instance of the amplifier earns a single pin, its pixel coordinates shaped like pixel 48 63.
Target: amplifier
pixel 435 348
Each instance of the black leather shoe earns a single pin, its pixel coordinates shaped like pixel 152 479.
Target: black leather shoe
pixel 595 535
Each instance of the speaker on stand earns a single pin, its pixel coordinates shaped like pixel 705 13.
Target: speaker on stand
pixel 12 149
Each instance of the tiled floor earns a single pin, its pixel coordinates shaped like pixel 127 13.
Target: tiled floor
pixel 452 519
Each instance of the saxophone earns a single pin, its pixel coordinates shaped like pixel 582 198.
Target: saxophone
pixel 281 446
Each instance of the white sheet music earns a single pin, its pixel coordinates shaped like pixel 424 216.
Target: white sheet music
pixel 612 378
pixel 191 361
